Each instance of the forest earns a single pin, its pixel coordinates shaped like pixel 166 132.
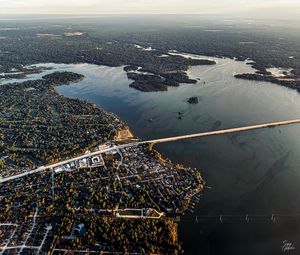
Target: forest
pixel 148 49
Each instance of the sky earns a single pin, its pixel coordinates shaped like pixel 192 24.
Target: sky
pixel 271 8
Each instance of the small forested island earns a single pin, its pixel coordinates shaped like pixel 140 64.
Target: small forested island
pixel 151 82
pixel 193 100
pixel 146 81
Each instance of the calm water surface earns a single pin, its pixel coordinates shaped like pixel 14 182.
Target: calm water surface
pixel 253 173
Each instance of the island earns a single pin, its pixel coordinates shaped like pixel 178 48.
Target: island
pixel 193 100
pixel 146 81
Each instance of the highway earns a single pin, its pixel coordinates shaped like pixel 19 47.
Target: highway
pixel 50 167
pixel 155 141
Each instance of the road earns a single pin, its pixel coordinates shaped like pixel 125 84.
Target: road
pixel 154 141
pixel 49 167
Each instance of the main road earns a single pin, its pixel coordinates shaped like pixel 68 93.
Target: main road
pixel 154 141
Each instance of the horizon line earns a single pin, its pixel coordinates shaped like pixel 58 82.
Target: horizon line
pixel 45 15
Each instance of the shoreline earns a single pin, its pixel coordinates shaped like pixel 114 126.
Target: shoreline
pixel 123 134
pixel 190 205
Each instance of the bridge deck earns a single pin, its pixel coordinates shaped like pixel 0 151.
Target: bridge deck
pixel 225 131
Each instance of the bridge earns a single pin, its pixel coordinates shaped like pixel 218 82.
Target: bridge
pixel 154 141
pixel 225 131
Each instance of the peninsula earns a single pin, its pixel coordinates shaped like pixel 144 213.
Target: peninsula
pixel 112 199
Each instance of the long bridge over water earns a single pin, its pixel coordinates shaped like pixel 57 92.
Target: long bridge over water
pixel 154 141
pixel 224 131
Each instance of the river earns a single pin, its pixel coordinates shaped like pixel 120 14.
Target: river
pixel 255 173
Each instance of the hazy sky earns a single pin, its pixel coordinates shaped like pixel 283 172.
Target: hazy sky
pixel 276 8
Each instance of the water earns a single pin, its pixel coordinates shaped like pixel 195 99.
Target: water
pixel 255 172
